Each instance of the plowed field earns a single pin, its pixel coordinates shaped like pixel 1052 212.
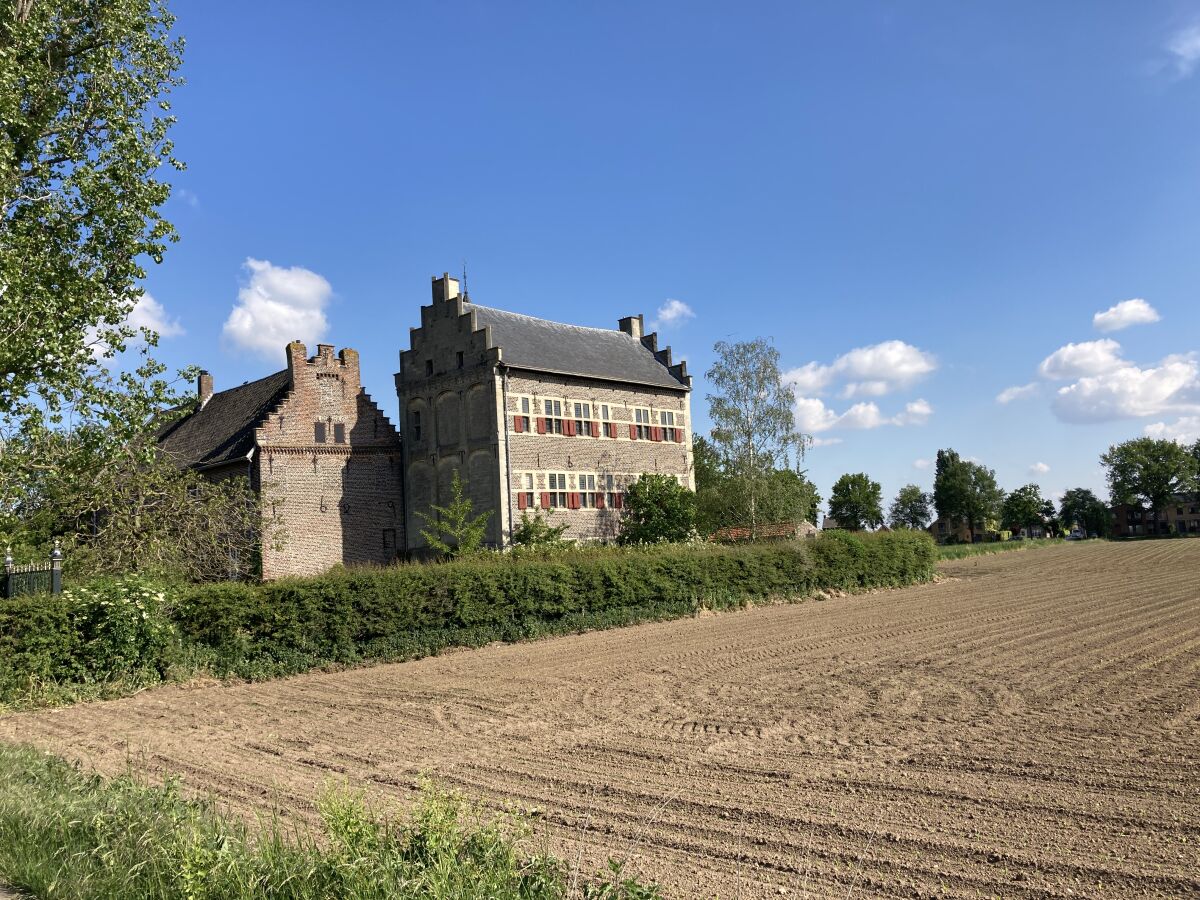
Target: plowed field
pixel 1028 728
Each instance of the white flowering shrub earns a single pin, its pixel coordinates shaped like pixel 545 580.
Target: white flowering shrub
pixel 123 627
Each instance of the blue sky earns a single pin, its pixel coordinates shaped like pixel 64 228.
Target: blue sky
pixel 921 204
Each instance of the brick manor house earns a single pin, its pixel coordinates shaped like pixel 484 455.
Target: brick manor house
pixel 533 415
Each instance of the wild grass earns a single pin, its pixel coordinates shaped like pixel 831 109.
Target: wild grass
pixel 959 551
pixel 67 834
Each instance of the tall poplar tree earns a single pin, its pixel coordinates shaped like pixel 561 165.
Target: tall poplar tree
pixel 754 421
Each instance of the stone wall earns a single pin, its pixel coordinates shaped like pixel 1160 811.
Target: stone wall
pixel 534 456
pixel 327 462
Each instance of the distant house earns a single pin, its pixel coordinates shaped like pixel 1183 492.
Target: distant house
pixel 829 523
pixel 732 534
pixel 945 529
pixel 1181 515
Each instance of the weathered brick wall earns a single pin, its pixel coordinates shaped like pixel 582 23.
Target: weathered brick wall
pixel 624 458
pixel 339 501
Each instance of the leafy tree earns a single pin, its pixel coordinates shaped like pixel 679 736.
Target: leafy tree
pixel 754 422
pixel 536 532
pixel 965 491
pixel 912 508
pixel 454 529
pixel 855 502
pixel 1025 508
pixel 724 500
pixel 83 137
pixel 658 509
pixel 1147 470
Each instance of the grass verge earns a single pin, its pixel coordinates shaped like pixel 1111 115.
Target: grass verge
pixel 65 834
pixel 959 551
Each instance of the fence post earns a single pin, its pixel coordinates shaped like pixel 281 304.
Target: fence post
pixel 56 558
pixel 9 565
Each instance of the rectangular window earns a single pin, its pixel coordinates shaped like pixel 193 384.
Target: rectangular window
pixel 339 433
pixel 604 411
pixel 554 420
pixel 319 432
pixel 429 367
pixel 671 433
pixel 459 359
pixel 416 425
pixel 587 491
pixel 557 483
pixel 583 416
pixel 612 497
pixel 525 496
pixel 642 419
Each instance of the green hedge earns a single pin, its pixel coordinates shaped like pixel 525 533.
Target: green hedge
pixel 406 611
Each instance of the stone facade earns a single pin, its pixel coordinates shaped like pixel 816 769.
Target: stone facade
pixel 473 400
pixel 328 467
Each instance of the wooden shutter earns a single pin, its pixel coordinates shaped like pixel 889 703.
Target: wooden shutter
pixel 573 500
pixel 518 423
pixel 570 427
pixel 612 430
pixel 545 500
pixel 632 432
pixel 656 433
pixel 595 429
pixel 522 500
pixel 599 499
pixel 541 425
pixel 618 501
pixel 679 435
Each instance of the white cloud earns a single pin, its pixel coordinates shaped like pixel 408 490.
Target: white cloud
pixel 1039 468
pixel 825 442
pixel 1173 386
pixel 865 371
pixel 1086 358
pixel 278 305
pixel 813 416
pixel 1128 312
pixel 1017 392
pixel 1184 47
pixel 671 313
pixel 1185 429
pixel 922 463
pixel 149 313
pixel 188 197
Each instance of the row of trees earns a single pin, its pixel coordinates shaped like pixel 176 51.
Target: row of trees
pixel 1143 471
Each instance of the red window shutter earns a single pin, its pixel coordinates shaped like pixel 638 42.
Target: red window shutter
pixel 521 500
pixel 612 429
pixel 574 501
pixel 618 501
pixel 571 427
pixel 633 432
pixel 599 500
pixel 656 433
pixel 518 423
pixel 545 500
pixel 595 429
pixel 679 435
pixel 541 426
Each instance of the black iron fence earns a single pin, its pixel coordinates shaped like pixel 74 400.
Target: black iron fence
pixel 32 578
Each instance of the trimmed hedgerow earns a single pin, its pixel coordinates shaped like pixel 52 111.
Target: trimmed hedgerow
pixel 53 649
pixel 403 611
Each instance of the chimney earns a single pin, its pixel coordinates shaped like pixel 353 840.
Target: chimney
pixel 297 356
pixel 444 288
pixel 204 387
pixel 632 326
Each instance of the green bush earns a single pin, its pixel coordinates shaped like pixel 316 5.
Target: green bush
pixel 121 634
pixel 67 834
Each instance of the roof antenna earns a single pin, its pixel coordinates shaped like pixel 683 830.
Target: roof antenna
pixel 466 296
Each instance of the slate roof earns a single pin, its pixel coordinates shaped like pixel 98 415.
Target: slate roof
pixel 223 429
pixel 544 346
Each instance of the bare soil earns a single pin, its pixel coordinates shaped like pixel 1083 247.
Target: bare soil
pixel 1028 727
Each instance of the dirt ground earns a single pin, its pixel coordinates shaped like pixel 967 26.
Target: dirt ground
pixel 1028 728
